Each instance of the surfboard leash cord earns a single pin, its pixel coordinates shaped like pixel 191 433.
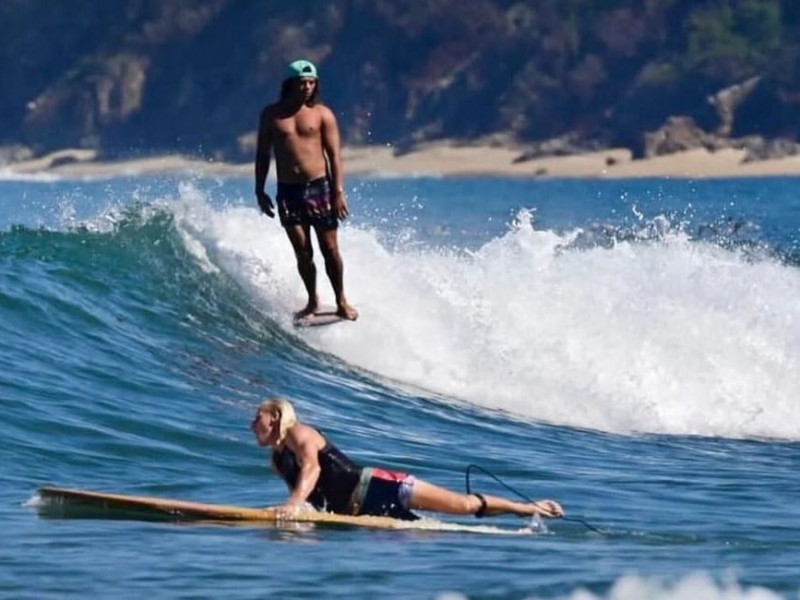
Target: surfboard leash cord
pixel 471 467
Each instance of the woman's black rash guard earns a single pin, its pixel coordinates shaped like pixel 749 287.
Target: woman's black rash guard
pixel 337 479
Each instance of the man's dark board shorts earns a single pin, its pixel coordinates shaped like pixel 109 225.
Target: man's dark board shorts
pixel 308 203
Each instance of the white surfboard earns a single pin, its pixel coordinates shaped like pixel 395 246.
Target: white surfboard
pixel 324 315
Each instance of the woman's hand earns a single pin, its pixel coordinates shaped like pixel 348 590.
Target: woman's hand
pixel 286 511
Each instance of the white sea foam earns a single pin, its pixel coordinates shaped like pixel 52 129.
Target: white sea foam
pixel 8 174
pixel 697 586
pixel 673 336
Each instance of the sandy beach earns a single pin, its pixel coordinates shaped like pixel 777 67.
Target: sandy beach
pixel 440 160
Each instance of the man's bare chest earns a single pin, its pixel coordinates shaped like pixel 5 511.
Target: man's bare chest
pixel 298 126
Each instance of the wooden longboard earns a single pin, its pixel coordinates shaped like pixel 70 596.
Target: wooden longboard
pixel 72 503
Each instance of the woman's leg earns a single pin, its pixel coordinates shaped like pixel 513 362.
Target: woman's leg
pixel 426 496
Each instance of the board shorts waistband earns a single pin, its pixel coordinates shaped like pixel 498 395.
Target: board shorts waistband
pixel 403 483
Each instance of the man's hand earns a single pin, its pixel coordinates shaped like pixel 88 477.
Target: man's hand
pixel 265 204
pixel 340 205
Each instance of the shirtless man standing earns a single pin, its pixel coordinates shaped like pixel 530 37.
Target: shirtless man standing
pixel 305 137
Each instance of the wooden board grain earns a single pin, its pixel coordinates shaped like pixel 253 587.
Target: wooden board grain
pixel 57 502
pixel 152 508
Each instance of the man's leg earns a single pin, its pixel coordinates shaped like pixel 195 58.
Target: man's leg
pixel 334 267
pixel 299 236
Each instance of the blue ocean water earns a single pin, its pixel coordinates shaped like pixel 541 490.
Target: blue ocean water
pixel 630 348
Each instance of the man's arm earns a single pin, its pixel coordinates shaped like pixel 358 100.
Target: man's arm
pixel 262 162
pixel 331 142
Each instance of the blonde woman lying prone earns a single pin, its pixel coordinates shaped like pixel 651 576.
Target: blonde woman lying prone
pixel 317 472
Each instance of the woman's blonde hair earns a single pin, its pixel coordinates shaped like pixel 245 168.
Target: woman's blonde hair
pixel 284 411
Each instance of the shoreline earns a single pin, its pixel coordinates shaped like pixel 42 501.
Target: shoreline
pixel 441 159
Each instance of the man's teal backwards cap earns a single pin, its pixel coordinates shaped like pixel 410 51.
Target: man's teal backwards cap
pixel 301 68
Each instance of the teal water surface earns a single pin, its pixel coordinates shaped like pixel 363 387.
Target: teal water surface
pixel 628 348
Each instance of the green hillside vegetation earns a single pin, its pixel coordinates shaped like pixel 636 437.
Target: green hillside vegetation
pixel 146 76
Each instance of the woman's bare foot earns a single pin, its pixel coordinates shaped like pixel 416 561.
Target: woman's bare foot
pixel 346 311
pixel 547 508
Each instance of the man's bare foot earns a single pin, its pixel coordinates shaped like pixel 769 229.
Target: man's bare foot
pixel 346 311
pixel 309 310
